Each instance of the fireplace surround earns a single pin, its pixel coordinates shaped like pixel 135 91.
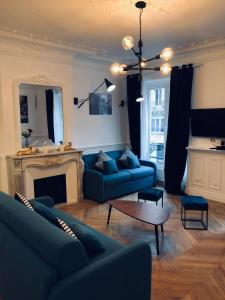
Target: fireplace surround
pixel 24 170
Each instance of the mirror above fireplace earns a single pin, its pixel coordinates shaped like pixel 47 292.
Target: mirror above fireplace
pixel 41 115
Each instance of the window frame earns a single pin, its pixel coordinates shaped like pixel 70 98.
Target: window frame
pixel 158 84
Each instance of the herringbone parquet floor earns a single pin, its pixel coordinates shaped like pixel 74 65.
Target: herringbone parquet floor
pixel 191 265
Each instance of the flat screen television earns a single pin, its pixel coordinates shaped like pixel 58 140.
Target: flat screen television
pixel 208 122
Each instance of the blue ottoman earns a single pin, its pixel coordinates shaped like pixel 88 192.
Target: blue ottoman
pixel 151 194
pixel 194 203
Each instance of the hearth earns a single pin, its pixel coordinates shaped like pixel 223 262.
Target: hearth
pixel 53 186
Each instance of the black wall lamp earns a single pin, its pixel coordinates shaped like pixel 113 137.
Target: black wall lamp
pixel 122 103
pixel 109 86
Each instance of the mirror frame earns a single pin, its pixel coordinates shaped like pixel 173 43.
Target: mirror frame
pixel 35 80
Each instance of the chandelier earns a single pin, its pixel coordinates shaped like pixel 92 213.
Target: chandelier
pixel 141 65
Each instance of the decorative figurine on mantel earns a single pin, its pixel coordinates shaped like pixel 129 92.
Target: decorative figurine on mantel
pixel 27 134
pixel 29 151
pixel 68 147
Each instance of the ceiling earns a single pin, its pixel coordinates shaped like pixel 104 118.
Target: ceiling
pixel 101 24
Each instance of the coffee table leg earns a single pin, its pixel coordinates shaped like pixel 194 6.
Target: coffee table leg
pixel 109 214
pixel 162 229
pixel 157 239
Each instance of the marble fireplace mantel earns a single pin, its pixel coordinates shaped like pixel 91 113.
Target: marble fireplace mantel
pixel 23 170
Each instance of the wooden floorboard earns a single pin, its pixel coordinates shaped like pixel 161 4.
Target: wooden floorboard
pixel 191 265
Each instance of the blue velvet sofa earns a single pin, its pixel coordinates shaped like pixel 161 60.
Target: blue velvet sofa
pixel 100 187
pixel 38 261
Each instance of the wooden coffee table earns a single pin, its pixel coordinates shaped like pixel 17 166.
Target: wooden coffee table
pixel 144 212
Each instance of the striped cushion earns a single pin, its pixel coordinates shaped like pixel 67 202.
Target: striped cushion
pixel 66 228
pixel 61 224
pixel 23 200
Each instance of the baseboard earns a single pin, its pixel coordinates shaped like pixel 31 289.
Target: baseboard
pixel 207 194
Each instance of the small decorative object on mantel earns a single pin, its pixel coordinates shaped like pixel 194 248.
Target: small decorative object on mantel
pixel 68 147
pixel 27 134
pixel 29 151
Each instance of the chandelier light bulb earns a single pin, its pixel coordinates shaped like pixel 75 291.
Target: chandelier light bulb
pixel 122 72
pixel 127 42
pixel 165 68
pixel 166 54
pixel 115 68
pixel 143 64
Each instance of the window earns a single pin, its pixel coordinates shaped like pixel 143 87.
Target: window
pixel 157 94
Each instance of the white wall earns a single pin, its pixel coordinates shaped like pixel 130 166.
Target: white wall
pixel 208 91
pixel 91 130
pixel 77 79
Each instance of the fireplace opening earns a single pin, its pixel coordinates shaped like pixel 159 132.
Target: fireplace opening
pixel 54 186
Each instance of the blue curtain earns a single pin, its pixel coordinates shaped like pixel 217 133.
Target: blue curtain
pixel 50 114
pixel 178 127
pixel 133 90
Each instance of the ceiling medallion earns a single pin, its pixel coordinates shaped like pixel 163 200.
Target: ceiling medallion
pixel 141 65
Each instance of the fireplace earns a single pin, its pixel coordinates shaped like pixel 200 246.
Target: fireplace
pixel 57 174
pixel 53 186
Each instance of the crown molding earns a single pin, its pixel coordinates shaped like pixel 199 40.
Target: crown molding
pixel 27 45
pixel 38 47
pixel 205 51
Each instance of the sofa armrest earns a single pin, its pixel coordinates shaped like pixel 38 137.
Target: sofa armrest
pixel 151 164
pixel 93 185
pixel 123 275
pixel 46 200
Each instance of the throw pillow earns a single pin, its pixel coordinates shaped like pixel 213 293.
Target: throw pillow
pixel 62 225
pixel 101 158
pixel 45 212
pixel 23 200
pixel 133 162
pixel 123 158
pixel 110 167
pixel 88 238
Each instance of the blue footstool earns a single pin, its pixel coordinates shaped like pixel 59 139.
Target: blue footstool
pixel 151 194
pixel 194 203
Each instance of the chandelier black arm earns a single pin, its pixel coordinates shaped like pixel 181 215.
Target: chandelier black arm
pixel 135 52
pixel 149 69
pixel 129 67
pixel 153 58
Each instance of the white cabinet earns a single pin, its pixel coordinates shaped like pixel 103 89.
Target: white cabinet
pixel 206 173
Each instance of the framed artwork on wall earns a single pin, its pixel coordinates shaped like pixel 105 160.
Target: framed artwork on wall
pixel 100 104
pixel 24 109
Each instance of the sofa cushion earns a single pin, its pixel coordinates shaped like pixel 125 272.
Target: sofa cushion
pixel 110 167
pixel 123 158
pixel 141 172
pixel 88 238
pixel 101 158
pixel 64 253
pixel 45 212
pixel 117 178
pixel 133 162
pixel 108 243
